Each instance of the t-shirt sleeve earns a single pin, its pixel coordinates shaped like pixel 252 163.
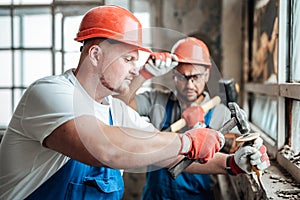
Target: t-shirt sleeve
pixel 46 105
pixel 127 117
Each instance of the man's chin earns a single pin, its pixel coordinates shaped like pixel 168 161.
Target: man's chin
pixel 191 98
pixel 122 90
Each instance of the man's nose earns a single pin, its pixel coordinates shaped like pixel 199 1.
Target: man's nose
pixel 135 70
pixel 190 82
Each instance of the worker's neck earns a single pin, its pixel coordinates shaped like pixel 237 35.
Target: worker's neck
pixel 92 85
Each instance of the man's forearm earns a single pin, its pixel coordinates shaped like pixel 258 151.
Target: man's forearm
pixel 90 141
pixel 216 165
pixel 120 147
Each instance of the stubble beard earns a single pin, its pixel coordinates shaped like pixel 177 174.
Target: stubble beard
pixel 123 89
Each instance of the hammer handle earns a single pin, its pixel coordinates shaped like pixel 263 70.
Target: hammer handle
pixel 175 170
pixel 176 126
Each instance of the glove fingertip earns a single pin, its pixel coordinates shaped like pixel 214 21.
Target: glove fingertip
pixel 174 64
pixel 168 62
pixel 150 62
pixel 157 63
pixel 174 57
pixel 162 63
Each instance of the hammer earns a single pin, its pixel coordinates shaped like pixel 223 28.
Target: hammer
pixel 179 124
pixel 228 91
pixel 238 118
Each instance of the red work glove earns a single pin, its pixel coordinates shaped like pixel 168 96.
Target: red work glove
pixel 246 156
pixel 159 63
pixel 193 115
pixel 200 144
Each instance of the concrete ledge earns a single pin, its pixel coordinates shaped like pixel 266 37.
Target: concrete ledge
pixel 289 166
pixel 279 184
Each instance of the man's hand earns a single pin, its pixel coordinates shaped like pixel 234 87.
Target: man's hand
pixel 159 63
pixel 231 145
pixel 193 116
pixel 200 144
pixel 247 156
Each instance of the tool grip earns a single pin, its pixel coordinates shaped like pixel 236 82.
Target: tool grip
pixel 175 170
pixel 249 139
pixel 179 124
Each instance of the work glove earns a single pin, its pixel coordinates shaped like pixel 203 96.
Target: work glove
pixel 194 116
pixel 159 63
pixel 246 157
pixel 200 144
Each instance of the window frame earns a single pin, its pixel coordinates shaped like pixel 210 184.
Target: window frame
pixel 56 6
pixel 282 90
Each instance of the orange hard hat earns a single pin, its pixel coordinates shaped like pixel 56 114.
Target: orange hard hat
pixel 113 22
pixel 192 50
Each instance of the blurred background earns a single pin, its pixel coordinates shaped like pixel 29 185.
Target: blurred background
pixel 253 42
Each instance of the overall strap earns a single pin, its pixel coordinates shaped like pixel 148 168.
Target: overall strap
pixel 167 118
pixel 82 181
pixel 207 117
pixel 110 118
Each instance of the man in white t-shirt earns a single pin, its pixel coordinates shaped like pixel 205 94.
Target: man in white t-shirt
pixel 68 137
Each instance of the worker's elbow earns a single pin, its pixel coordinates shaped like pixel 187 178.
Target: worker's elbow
pixel 111 159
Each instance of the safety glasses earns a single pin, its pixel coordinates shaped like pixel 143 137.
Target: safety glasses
pixel 196 78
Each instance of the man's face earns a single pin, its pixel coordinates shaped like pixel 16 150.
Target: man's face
pixel 190 81
pixel 119 67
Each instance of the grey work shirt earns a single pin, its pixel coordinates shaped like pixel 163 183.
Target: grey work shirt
pixel 152 104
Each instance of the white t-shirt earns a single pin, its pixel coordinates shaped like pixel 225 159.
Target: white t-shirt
pixel 48 103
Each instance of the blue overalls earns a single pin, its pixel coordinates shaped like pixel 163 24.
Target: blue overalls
pixel 159 184
pixel 76 180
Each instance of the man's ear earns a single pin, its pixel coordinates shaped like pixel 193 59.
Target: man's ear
pixel 95 54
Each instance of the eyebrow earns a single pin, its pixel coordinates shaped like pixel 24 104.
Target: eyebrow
pixel 192 75
pixel 131 54
pixel 202 73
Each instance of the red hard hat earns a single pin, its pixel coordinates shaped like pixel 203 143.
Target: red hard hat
pixel 112 22
pixel 192 50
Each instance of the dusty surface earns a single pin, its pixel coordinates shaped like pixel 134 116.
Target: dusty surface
pixel 287 152
pixel 277 181
pixel 279 184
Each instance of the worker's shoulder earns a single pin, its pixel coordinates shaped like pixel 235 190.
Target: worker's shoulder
pixel 221 108
pixel 53 80
pixel 119 105
pixel 156 93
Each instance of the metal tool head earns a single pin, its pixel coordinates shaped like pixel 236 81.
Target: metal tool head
pixel 240 116
pixel 228 91
pixel 247 137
